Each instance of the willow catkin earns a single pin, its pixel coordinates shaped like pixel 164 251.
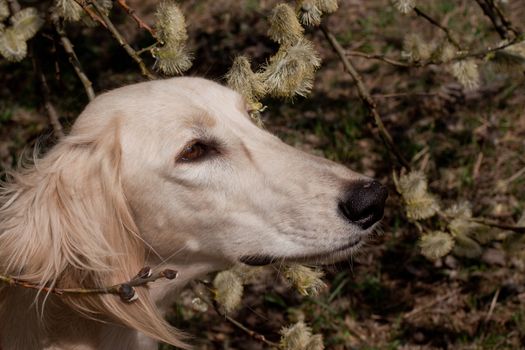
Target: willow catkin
pixel 291 70
pixel 4 10
pixel 467 73
pixel 69 10
pixel 419 203
pixel 242 79
pixel 284 25
pixel 295 337
pixel 436 244
pixel 173 57
pixel 229 290
pixel 306 280
pixel 308 13
pixel 404 6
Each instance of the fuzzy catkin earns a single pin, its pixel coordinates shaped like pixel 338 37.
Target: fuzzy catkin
pixel 467 73
pixel 284 25
pixel 26 23
pixel 173 57
pixel 327 6
pixel 4 10
pixel 419 203
pixel 170 23
pixel 12 46
pixel 242 79
pixel 436 244
pixel 405 6
pixel 291 70
pixel 228 290
pixel 70 10
pixel 308 13
pixel 306 280
pixel 295 337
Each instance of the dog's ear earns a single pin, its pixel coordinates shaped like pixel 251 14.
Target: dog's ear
pixel 66 222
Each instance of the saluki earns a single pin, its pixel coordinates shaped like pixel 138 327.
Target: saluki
pixel 168 173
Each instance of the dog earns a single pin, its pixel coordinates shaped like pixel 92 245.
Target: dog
pixel 169 174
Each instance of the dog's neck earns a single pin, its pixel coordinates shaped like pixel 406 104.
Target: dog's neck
pixel 164 292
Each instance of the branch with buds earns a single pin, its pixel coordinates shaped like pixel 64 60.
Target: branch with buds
pixel 131 12
pixel 125 290
pixel 460 56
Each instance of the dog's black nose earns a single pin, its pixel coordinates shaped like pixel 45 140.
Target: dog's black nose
pixel 364 203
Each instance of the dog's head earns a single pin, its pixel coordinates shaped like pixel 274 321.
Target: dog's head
pixel 205 183
pixel 173 172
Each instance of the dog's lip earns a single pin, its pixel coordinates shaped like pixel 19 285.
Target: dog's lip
pixel 261 260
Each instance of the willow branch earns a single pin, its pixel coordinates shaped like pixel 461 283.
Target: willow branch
pixel 501 23
pixel 116 34
pixel 490 223
pixel 52 113
pixel 124 290
pixel 366 97
pixel 435 23
pixel 481 53
pixel 73 59
pixel 380 57
pixel 251 333
pixel 104 19
pixel 131 12
pixel 90 12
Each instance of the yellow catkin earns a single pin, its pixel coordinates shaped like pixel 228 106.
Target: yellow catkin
pixel 70 10
pixel 295 337
pixel 284 25
pixel 306 280
pixel 419 203
pixel 291 70
pixel 308 13
pixel 242 79
pixel 228 290
pixel 436 244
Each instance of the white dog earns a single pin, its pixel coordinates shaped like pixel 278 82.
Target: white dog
pixel 169 173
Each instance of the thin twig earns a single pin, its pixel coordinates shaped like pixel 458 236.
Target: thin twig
pixel 124 290
pixel 435 23
pixel 406 94
pixel 251 333
pixel 73 59
pixel 148 48
pixel 46 94
pixel 490 223
pixel 116 34
pixel 90 13
pixel 365 96
pixel 391 61
pixel 481 53
pixel 430 304
pixel 492 305
pixel 131 12
pixel 501 23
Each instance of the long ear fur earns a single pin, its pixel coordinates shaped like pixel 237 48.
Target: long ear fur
pixel 65 221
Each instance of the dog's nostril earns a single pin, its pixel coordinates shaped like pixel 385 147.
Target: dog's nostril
pixel 363 203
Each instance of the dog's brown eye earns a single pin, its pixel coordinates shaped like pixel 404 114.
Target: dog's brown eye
pixel 193 152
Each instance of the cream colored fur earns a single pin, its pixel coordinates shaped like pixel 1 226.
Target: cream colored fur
pixel 112 197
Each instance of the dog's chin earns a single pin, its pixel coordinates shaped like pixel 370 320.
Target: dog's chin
pixel 323 258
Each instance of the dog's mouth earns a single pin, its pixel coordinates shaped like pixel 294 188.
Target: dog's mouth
pixel 261 260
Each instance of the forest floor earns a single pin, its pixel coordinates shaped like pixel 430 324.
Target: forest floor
pixel 471 145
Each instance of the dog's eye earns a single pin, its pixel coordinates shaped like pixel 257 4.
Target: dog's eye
pixel 193 152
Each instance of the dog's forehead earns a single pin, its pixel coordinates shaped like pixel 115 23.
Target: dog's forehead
pixel 166 105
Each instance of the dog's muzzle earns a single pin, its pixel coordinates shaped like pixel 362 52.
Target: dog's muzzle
pixel 363 203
